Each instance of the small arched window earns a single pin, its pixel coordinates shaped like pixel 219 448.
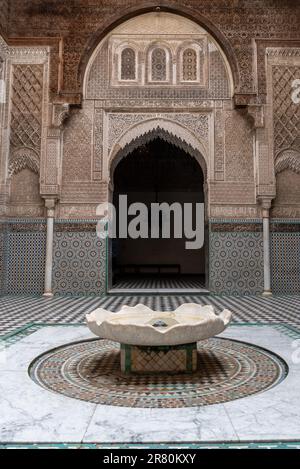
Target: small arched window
pixel 158 65
pixel 189 65
pixel 128 66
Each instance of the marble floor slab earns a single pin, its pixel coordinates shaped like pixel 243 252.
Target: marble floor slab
pixel 31 414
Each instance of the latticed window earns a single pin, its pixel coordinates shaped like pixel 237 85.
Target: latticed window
pixel 159 65
pixel 128 64
pixel 189 65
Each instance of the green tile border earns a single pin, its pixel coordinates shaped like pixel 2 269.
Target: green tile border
pixel 158 446
pixel 24 331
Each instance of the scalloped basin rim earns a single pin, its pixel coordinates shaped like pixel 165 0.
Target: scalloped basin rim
pixel 114 326
pixel 159 330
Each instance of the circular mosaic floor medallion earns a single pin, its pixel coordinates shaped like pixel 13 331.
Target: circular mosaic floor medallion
pixel 90 370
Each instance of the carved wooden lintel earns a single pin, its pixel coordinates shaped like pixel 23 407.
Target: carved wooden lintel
pixel 244 99
pixel 60 112
pixel 257 115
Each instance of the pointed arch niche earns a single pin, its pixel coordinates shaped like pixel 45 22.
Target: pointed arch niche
pixel 157 162
pixel 158 103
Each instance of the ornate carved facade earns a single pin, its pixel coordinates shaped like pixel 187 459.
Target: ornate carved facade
pixel 219 81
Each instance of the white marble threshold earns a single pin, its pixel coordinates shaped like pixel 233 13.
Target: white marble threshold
pixel 31 414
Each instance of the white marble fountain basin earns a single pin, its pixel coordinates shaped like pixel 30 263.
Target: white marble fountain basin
pixel 134 325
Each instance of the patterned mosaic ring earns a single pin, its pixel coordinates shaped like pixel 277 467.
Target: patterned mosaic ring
pixel 90 371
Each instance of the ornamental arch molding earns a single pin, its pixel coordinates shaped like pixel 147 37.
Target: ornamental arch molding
pixel 147 131
pixel 21 159
pixel 288 159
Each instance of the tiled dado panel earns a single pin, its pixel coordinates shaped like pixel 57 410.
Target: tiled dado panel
pixel 24 262
pixel 79 258
pixel 236 261
pixel 285 262
pixel 79 262
pixel 1 260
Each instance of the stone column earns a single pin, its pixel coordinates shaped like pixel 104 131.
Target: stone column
pixel 4 134
pixel 50 179
pixel 266 205
pixel 50 207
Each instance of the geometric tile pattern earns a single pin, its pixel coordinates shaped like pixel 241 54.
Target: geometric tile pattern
pixel 179 358
pixel 236 263
pixel 25 263
pixel 90 370
pixel 79 263
pixel 16 312
pixel 1 260
pixel 285 263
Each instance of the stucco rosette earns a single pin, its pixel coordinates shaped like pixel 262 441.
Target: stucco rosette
pixel 140 325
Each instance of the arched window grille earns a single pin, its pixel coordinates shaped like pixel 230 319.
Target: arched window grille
pixel 128 66
pixel 158 65
pixel 189 65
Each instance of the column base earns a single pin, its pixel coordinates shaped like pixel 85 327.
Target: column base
pixel 48 295
pixel 267 293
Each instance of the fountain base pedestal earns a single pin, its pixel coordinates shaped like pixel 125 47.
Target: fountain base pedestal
pixel 159 359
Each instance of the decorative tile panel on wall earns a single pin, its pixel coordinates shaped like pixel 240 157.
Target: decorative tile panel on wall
pixel 25 262
pixel 285 262
pixel 79 263
pixel 236 262
pixel 1 260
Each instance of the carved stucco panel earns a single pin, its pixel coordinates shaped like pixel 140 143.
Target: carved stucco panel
pixel 25 83
pixel 98 144
pixel 23 158
pixel 191 128
pixel 288 159
pixel 283 70
pixel 219 145
pixel 26 106
pixel 119 123
pixel 77 146
pixel 238 147
pixel 52 162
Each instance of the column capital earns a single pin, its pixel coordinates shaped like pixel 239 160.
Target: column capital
pixel 266 203
pixel 50 206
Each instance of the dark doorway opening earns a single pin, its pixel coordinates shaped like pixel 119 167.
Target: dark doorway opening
pixel 158 172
